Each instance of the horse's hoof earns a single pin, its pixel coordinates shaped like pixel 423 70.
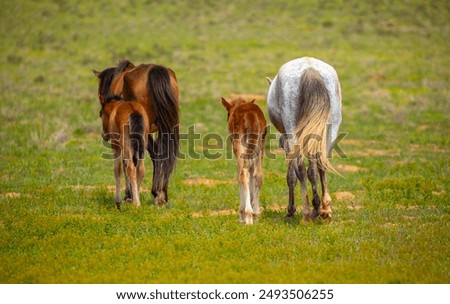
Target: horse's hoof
pixel 160 202
pixel 289 216
pixel 325 214
pixel 315 215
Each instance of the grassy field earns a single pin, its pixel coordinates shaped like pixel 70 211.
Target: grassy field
pixel 58 221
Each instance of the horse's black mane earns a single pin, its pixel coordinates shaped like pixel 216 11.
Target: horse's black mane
pixel 107 76
pixel 123 65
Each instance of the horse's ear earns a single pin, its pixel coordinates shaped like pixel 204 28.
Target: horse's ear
pixel 253 101
pixel 269 80
pixel 96 73
pixel 226 104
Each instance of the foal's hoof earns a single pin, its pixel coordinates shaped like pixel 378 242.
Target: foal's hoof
pixel 128 196
pixel 249 219
pixel 306 218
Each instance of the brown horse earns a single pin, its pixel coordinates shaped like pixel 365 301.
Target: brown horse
pixel 126 125
pixel 155 87
pixel 247 126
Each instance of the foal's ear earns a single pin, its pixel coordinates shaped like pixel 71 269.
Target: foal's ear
pixel 96 73
pixel 226 104
pixel 269 80
pixel 253 101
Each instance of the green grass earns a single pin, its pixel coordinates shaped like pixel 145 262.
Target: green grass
pixel 58 222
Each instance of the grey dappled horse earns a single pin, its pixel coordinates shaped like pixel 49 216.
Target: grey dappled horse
pixel 304 104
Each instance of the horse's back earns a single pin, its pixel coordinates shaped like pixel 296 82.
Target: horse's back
pixel 247 118
pixel 135 83
pixel 284 92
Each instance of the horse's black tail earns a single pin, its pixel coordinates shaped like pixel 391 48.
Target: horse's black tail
pixel 167 119
pixel 137 136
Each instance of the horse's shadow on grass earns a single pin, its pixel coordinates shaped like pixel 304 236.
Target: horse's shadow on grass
pixel 279 218
pixel 104 198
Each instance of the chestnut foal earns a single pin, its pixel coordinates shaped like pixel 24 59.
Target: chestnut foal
pixel 247 127
pixel 126 125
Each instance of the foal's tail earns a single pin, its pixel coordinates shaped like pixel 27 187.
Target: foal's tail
pixel 167 120
pixel 310 135
pixel 137 136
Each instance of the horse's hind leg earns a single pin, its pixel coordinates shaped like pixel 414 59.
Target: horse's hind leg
pixel 159 184
pixel 291 179
pixel 313 176
pixel 301 174
pixel 325 211
pixel 152 148
pixel 159 195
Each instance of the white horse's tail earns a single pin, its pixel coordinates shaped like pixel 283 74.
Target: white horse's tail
pixel 310 135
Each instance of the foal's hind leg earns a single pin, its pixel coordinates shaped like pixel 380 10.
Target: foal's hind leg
pixel 313 176
pixel 131 172
pixel 246 211
pixel 325 211
pixel 117 172
pixel 140 173
pixel 128 192
pixel 256 180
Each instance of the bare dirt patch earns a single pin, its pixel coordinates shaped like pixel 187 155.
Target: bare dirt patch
pixel 354 207
pixel 438 193
pixel 344 196
pixel 225 212
pixel 375 152
pixel 367 148
pixel 11 195
pixel 214 213
pixel 205 182
pixel 349 168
